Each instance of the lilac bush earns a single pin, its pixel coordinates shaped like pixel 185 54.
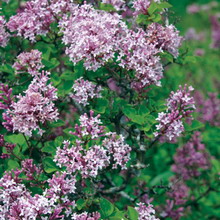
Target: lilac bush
pixel 86 129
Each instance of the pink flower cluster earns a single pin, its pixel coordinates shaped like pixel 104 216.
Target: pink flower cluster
pixel 16 202
pixel 166 38
pixel 215 24
pixel 4 35
pixel 89 127
pixel 6 99
pixel 86 216
pixel 177 198
pixel 209 108
pixel 36 17
pixel 29 62
pixel 35 107
pixel 180 105
pixel 141 6
pixel 118 4
pixel 116 146
pixel 84 91
pixel 146 212
pixel 77 159
pixel 138 54
pixel 89 160
pixel 90 35
pixel 191 158
pixel 97 36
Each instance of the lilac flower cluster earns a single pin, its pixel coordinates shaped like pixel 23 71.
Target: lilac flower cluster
pixel 190 158
pixel 89 127
pixel 177 198
pixel 166 38
pixel 4 35
pixel 116 146
pixel 138 54
pixel 145 212
pixel 30 170
pixel 195 8
pixel 118 4
pixel 84 90
pixel 101 35
pixel 90 35
pixel 209 108
pixel 35 107
pixel 16 202
pixel 89 160
pixel 180 105
pixel 33 20
pixel 29 62
pixel 215 24
pixel 78 159
pixel 86 216
pixel 36 17
pixel 141 6
pixel 6 99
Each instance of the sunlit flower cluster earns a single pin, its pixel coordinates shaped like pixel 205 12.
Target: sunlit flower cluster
pixel 29 62
pixel 35 107
pixel 180 105
pixel 145 211
pixel 4 35
pixel 84 91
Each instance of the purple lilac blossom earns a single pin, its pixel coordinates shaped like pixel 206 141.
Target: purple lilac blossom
pixel 215 24
pixel 4 35
pixel 36 17
pixel 89 126
pixel 166 38
pixel 116 146
pixel 35 107
pixel 180 105
pixel 89 160
pixel 84 90
pixel 208 108
pixel 86 216
pixel 138 54
pixel 141 6
pixel 191 158
pixel 90 35
pixel 29 62
pixel 77 159
pixel 178 196
pixel 117 4
pixel 145 211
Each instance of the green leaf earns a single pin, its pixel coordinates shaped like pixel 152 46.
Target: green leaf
pixel 101 105
pixel 106 208
pixel 194 126
pixel 51 64
pixel 57 123
pixel 106 7
pixel 12 164
pixel 132 213
pixel 6 69
pixel 49 148
pixel 153 7
pixel 80 203
pixel 163 5
pixel 49 165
